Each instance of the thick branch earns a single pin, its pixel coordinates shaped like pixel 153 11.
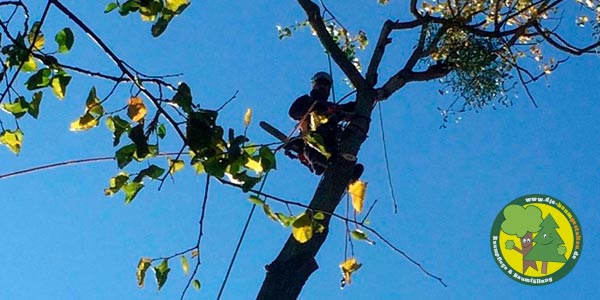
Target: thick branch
pixel 382 42
pixel 316 22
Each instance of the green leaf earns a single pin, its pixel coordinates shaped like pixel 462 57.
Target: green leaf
pixel 162 271
pixel 160 26
pixel 65 40
pixel 150 9
pixel 140 274
pixel 184 265
pixel 161 131
pixel 358 234
pixel 118 126
pixel 285 221
pixel 256 200
pixel 18 109
pixel 29 65
pixel 34 107
pixel 131 190
pixel 319 216
pixel 12 139
pixel 269 212
pixel 59 85
pixel 85 122
pixel 196 284
pixel 125 155
pixel 267 158
pixel 128 7
pixel 137 136
pixel 93 105
pixel 183 97
pixel 152 171
pixel 40 79
pixel 116 183
pixel 302 228
pixel 110 7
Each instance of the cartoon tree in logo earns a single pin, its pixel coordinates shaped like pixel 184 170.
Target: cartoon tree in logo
pixel 522 222
pixel 549 246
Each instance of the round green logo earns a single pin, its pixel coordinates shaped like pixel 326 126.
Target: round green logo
pixel 536 239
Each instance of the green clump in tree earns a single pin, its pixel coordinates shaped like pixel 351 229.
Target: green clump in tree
pixel 522 222
pixel 549 246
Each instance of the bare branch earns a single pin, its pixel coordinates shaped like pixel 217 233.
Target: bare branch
pixel 314 17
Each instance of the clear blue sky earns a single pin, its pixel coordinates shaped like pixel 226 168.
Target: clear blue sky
pixel 62 239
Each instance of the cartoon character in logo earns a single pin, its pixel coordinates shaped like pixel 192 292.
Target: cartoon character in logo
pixel 522 222
pixel 549 246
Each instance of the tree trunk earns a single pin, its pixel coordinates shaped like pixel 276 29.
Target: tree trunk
pixel 288 273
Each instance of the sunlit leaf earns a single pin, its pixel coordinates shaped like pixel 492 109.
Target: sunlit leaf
pixel 136 109
pixel 30 64
pixel 267 158
pixel 12 139
pixel 140 274
pixel 256 200
pixel 302 228
pixel 131 190
pixel 348 267
pixel 161 272
pixel 358 234
pixel 248 117
pixel 254 166
pixel 40 79
pixel 110 7
pixel 175 165
pixel 175 5
pixel 284 220
pixel 40 40
pixel 18 109
pixel 184 265
pixel 86 122
pixel 116 183
pixel 93 105
pixel 319 216
pixel 269 212
pixel 357 190
pixel 195 253
pixel 65 40
pixel 196 284
pixel 59 85
pixel 150 9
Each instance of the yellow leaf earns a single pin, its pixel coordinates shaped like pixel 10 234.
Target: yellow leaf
pixel 174 5
pixel 254 165
pixel 348 267
pixel 357 191
pixel 136 109
pixel 248 117
pixel 302 228
pixel 175 165
pixel 140 274
pixel 30 65
pixel 12 139
pixel 195 253
pixel 184 265
pixel 84 123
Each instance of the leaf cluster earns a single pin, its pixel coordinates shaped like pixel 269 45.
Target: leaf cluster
pixel 161 12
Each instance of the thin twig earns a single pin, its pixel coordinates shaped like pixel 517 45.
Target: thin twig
pixel 387 161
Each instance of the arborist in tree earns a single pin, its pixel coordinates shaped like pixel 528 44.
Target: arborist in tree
pixel 320 122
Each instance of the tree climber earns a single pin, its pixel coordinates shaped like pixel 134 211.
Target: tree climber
pixel 320 122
